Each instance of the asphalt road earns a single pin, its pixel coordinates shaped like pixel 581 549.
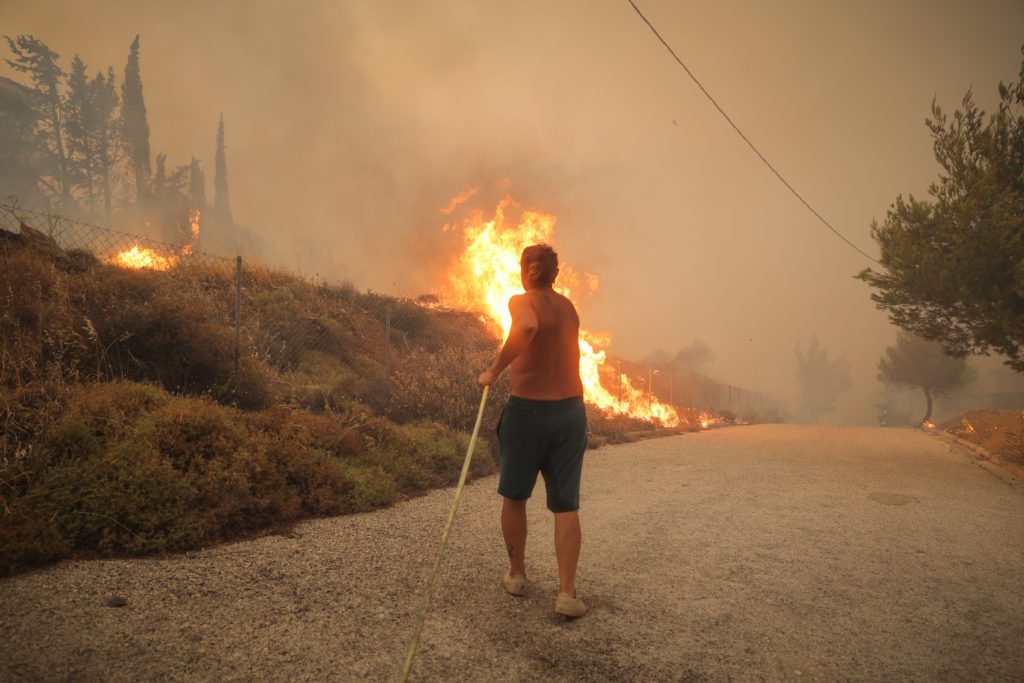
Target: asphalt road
pixel 769 552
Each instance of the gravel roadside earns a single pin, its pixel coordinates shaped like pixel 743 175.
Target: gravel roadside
pixel 774 552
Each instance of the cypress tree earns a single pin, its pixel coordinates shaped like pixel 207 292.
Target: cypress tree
pixel 221 197
pixel 134 122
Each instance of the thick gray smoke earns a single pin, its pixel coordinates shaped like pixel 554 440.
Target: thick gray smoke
pixel 350 124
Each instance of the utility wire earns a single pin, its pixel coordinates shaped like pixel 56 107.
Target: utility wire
pixel 746 139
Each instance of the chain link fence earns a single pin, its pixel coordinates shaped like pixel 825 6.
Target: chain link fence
pixel 261 336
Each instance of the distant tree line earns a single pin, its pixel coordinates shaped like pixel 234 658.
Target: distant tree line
pixel 822 380
pixel 80 145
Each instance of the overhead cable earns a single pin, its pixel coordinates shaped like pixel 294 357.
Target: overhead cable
pixel 747 140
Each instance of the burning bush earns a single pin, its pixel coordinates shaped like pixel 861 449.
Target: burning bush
pixel 92 321
pixel 1001 432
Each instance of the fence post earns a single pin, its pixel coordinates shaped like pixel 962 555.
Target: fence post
pixel 238 311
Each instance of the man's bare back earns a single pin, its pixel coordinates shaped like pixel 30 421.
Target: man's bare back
pixel 548 369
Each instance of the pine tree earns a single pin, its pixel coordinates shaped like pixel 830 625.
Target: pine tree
pixel 196 186
pixel 103 97
pixel 917 362
pixel 34 57
pixel 23 159
pixel 951 264
pixel 78 127
pixel 221 197
pixel 134 122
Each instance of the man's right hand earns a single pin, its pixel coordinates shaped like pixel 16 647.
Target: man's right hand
pixel 487 377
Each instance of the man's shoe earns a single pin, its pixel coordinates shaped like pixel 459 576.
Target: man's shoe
pixel 515 585
pixel 568 606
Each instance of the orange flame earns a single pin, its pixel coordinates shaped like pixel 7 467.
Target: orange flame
pixel 706 420
pixel 143 257
pixel 486 274
pixel 460 198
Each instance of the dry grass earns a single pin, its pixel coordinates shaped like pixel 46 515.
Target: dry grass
pixel 1001 432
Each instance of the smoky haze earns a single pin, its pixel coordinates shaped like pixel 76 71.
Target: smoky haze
pixel 349 125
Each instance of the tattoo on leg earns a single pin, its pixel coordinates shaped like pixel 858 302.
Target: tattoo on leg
pixel 511 549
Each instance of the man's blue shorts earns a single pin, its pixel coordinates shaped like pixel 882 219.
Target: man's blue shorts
pixel 549 437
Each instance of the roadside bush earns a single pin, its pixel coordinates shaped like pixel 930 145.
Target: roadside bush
pixel 125 500
pixel 121 467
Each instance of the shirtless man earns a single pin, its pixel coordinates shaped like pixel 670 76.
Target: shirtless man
pixel 543 427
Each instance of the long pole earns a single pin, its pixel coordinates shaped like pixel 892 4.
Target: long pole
pixel 238 311
pixel 444 542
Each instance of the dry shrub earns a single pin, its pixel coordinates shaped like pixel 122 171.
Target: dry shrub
pixel 324 383
pixel 609 428
pixel 93 321
pixel 188 433
pixel 253 387
pixel 442 386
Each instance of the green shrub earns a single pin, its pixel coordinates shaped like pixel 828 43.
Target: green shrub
pixel 127 500
pixel 186 433
pixel 372 487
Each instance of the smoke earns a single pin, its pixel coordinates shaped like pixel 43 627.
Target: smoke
pixel 349 128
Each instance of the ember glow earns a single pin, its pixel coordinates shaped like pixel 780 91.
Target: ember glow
pixel 146 258
pixel 706 420
pixel 486 274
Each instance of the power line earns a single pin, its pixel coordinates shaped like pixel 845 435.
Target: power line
pixel 746 139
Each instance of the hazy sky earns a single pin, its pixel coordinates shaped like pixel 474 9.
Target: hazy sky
pixel 350 123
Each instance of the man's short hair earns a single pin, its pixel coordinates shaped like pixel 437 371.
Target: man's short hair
pixel 540 263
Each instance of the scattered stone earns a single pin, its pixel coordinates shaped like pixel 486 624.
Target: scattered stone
pixel 117 601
